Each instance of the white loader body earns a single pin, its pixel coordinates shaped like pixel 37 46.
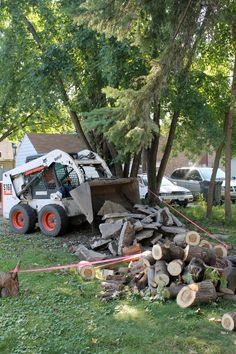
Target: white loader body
pixel 78 185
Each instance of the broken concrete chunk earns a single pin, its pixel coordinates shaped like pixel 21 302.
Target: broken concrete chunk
pixel 152 226
pixel 138 226
pixel 109 230
pixel 166 217
pixel 111 207
pixel 176 221
pixel 113 248
pixel 173 230
pixel 147 220
pixel 145 209
pixel 155 240
pixel 126 236
pixel 123 215
pixel 85 254
pixel 144 235
pixel 99 244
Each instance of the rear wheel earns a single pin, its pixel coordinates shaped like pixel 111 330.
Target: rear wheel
pixel 22 219
pixel 52 220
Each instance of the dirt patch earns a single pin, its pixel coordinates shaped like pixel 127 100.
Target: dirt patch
pixel 84 233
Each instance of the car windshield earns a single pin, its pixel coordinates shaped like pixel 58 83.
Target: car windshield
pixel 206 173
pixel 165 182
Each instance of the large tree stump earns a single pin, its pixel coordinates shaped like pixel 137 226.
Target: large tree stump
pixel 196 293
pixel 175 267
pixel 229 321
pixel 208 256
pixel 192 238
pixel 162 276
pixel 9 283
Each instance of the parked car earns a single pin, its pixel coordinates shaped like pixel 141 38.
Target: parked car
pixel 191 178
pixel 169 192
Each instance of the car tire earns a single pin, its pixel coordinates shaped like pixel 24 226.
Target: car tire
pixel 22 219
pixel 52 220
pixel 183 204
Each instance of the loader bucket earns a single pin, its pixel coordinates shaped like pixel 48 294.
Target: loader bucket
pixel 90 196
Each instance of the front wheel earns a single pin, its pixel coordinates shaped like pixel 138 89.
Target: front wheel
pixel 52 220
pixel 22 219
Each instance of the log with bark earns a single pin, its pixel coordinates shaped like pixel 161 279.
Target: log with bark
pixel 220 251
pixel 194 271
pixel 162 277
pixel 229 321
pixel 172 291
pixel 175 267
pixel 147 258
pixel 86 270
pixel 180 240
pixel 167 252
pixel 192 238
pixel 208 256
pixel 196 293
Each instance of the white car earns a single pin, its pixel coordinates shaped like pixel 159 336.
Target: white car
pixel 232 190
pixel 169 192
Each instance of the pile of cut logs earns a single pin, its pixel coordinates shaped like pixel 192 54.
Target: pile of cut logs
pixel 167 259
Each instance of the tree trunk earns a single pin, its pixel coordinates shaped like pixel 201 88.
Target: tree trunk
pixel 228 142
pixel 152 158
pixel 167 152
pixel 126 168
pixel 213 178
pixel 117 165
pixel 135 164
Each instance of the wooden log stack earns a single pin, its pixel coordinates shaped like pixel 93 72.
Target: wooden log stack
pixel 165 256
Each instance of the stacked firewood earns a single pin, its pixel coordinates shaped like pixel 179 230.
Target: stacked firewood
pixel 167 259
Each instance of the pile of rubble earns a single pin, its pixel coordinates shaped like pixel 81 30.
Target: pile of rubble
pixel 169 261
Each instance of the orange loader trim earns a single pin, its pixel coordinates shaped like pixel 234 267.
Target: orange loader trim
pixel 34 170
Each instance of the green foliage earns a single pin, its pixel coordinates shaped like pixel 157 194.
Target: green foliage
pixel 215 276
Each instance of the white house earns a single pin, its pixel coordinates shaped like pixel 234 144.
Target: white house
pixel 40 143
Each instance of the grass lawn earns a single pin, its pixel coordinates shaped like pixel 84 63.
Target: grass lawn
pixel 58 312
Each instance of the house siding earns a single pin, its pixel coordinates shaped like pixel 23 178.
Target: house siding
pixel 25 149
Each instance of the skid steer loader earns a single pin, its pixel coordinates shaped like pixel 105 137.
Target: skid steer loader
pixel 57 188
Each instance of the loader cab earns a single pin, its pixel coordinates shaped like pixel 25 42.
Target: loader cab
pixel 55 178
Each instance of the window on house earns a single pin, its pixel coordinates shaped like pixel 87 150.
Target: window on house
pixel 0 154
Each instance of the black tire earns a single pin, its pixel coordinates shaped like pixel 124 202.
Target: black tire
pixel 22 219
pixel 183 204
pixel 52 220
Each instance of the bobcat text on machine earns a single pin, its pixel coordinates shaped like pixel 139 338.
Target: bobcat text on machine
pixel 58 188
